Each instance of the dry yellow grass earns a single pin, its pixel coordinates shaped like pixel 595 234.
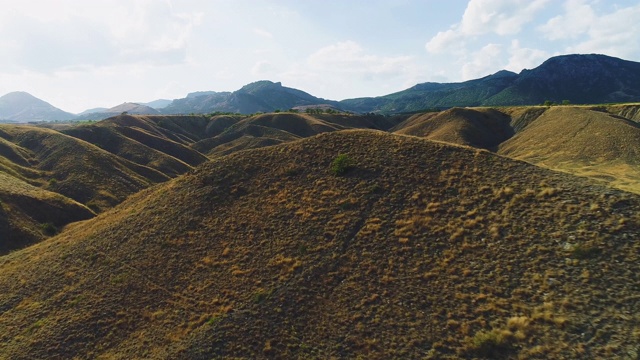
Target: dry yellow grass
pixel 78 169
pixel 583 141
pixel 600 142
pixel 418 250
pixel 143 142
pixel 234 134
pixel 101 164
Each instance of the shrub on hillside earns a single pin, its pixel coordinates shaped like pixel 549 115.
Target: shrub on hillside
pixel 341 165
pixel 492 344
pixel 49 229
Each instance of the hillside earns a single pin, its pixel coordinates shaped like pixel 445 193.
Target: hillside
pixel 421 249
pixel 140 139
pixel 434 95
pixel 482 127
pixel 232 134
pixel 24 107
pixel 49 178
pixel 72 167
pixel 580 79
pixel 600 142
pixel 29 214
pixel 100 164
pixel 584 141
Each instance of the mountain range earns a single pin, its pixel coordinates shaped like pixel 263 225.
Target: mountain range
pixel 576 79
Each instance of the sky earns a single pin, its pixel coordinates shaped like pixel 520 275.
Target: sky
pixel 79 54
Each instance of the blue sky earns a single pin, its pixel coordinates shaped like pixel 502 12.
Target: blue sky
pixel 83 54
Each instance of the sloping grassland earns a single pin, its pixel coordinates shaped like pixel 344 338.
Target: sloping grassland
pixel 420 249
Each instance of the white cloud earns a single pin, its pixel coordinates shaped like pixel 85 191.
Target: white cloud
pixel 262 68
pixel 262 33
pixel 575 22
pixel 451 40
pixel 524 58
pixel 614 33
pixel 483 63
pixel 500 17
pixel 350 57
pixel 47 37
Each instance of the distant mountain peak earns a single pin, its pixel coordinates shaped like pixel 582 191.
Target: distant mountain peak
pixel 133 108
pixel 503 73
pixel 200 93
pixel 22 106
pixel 157 104
pixel 261 85
pixel 258 96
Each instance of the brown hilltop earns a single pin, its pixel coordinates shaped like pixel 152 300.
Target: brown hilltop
pixel 482 127
pixel 263 130
pixel 422 249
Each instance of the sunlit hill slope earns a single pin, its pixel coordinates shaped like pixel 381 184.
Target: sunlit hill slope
pixel 419 249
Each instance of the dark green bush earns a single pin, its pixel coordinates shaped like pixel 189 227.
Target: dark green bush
pixel 584 252
pixel 341 165
pixel 489 344
pixel 49 229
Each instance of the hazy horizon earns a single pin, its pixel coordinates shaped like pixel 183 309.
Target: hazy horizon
pixel 77 56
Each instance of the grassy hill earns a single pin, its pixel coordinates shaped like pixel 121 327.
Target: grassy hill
pixel 482 128
pixel 142 140
pixel 584 141
pixel 421 249
pixel 600 142
pixel 29 214
pixel 100 164
pixel 48 178
pixel 232 134
pixel 80 170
